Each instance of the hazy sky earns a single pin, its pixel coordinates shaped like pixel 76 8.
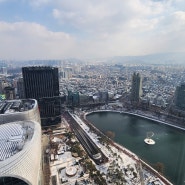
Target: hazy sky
pixel 56 29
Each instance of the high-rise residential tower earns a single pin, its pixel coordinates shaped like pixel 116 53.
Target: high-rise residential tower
pixel 136 90
pixel 42 83
pixel 180 97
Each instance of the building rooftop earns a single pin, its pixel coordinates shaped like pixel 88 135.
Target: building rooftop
pixel 12 106
pixel 13 137
pixel 38 68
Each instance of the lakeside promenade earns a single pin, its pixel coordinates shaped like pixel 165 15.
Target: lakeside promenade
pixel 125 150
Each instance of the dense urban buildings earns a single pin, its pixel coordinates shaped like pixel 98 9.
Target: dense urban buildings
pixel 94 87
pixel 42 83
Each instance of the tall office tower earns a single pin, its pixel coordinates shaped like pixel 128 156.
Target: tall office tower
pixel 9 93
pixel 73 98
pixel 3 84
pixel 103 95
pixel 180 97
pixel 136 91
pixel 20 88
pixel 42 83
pixel 4 70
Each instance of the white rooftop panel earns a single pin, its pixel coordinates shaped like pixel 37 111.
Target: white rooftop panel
pixel 11 136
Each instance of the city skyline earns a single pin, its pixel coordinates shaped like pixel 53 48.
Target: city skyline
pixel 46 29
pixel 103 89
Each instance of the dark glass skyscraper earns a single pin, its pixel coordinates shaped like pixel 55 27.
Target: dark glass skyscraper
pixel 42 83
pixel 180 96
pixel 20 88
pixel 136 90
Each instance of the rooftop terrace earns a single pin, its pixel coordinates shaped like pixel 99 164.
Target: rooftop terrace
pixel 11 106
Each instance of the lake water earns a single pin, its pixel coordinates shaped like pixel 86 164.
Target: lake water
pixel 130 131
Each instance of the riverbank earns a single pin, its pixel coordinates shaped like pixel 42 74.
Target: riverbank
pixel 126 151
pixel 153 118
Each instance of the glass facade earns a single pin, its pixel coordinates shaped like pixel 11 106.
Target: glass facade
pixel 136 90
pixel 42 83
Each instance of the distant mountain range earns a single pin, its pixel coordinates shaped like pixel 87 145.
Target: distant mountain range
pixel 161 58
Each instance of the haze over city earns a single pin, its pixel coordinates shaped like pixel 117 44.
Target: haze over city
pixel 46 29
pixel 92 92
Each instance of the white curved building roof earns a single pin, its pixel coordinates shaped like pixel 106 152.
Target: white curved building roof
pixel 19 110
pixel 20 151
pixel 12 136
